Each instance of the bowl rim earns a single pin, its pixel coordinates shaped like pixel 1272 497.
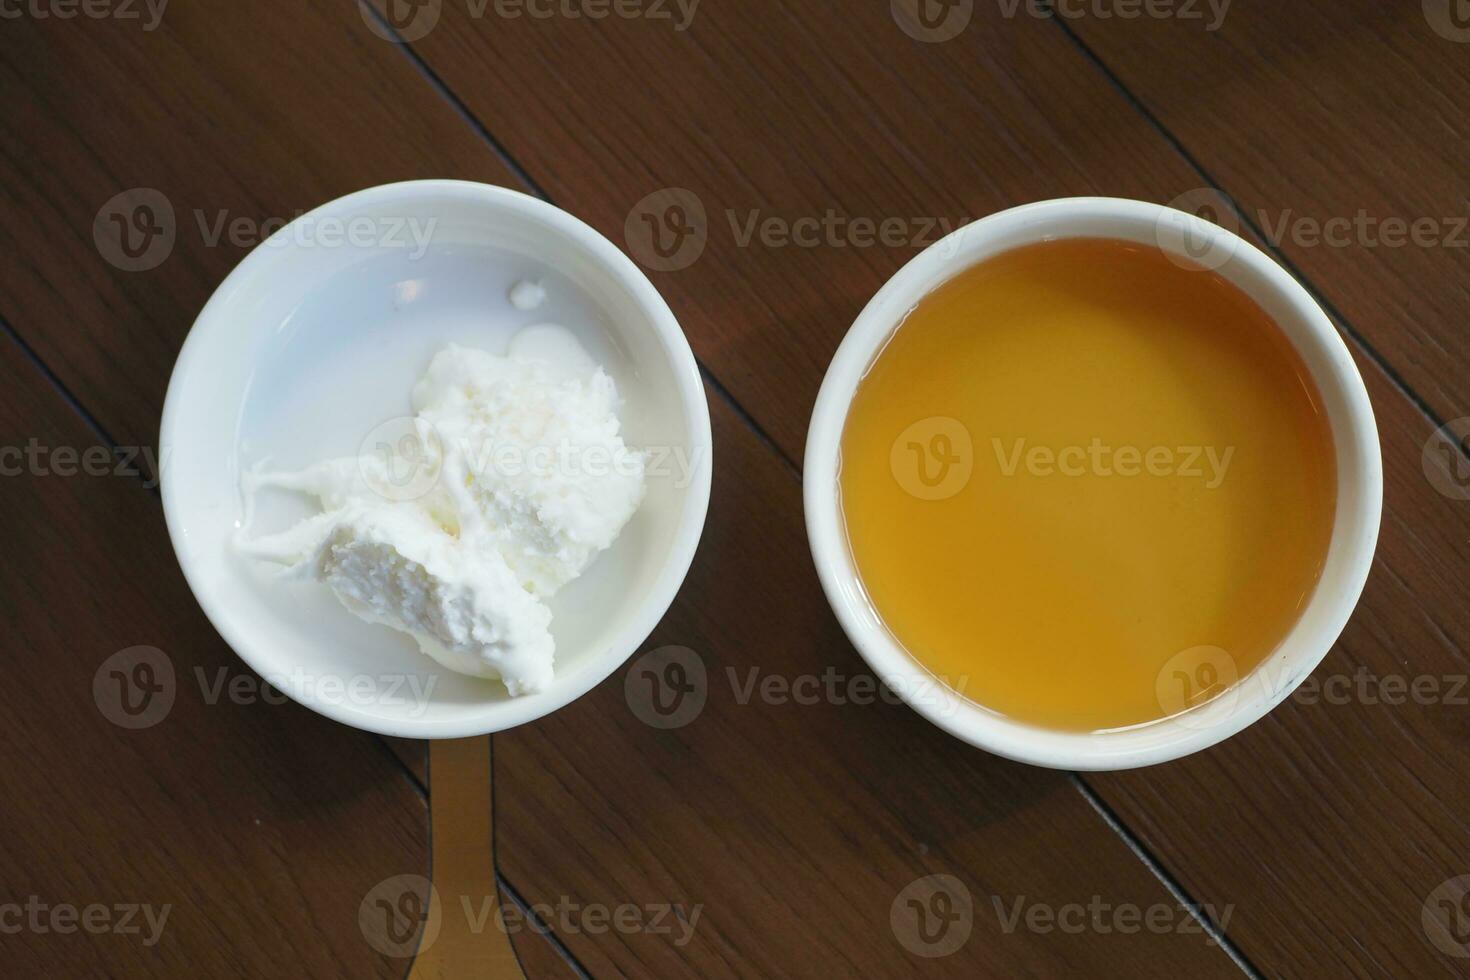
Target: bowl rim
pixel 499 715
pixel 1167 739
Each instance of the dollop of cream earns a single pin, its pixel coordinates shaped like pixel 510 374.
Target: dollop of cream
pixel 509 480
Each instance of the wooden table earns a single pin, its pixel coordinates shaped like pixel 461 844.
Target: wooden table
pixel 1327 840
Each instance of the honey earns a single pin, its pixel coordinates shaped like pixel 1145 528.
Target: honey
pixel 1088 485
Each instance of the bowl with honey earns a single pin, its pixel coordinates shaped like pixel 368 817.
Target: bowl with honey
pixel 1092 483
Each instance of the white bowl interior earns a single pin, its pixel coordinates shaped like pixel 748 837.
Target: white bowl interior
pixel 314 340
pixel 1359 477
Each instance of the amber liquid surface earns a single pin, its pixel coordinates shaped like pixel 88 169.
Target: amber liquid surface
pixel 1088 487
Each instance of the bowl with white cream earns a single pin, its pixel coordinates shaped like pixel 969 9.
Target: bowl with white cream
pixel 438 459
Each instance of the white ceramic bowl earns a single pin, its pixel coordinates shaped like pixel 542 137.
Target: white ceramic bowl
pixel 317 337
pixel 1359 482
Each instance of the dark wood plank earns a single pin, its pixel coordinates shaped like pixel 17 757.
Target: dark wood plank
pixel 822 290
pixel 414 755
pixel 1347 113
pixel 1363 796
pixel 770 110
pixel 130 323
pixel 829 112
pixel 231 113
pixel 794 822
pixel 1346 806
pixel 261 825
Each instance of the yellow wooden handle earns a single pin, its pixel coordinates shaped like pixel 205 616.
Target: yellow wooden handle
pixel 463 938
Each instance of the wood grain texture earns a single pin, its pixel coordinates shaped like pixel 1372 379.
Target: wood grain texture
pixel 225 111
pixel 825 119
pixel 793 827
pixel 261 825
pixel 235 114
pixel 1324 122
pixel 1328 825
pixel 736 122
pixel 157 306
pixel 1355 797
pixel 793 821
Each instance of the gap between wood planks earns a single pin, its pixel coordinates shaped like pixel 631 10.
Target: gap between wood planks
pixel 1131 840
pixel 88 419
pixel 1266 245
